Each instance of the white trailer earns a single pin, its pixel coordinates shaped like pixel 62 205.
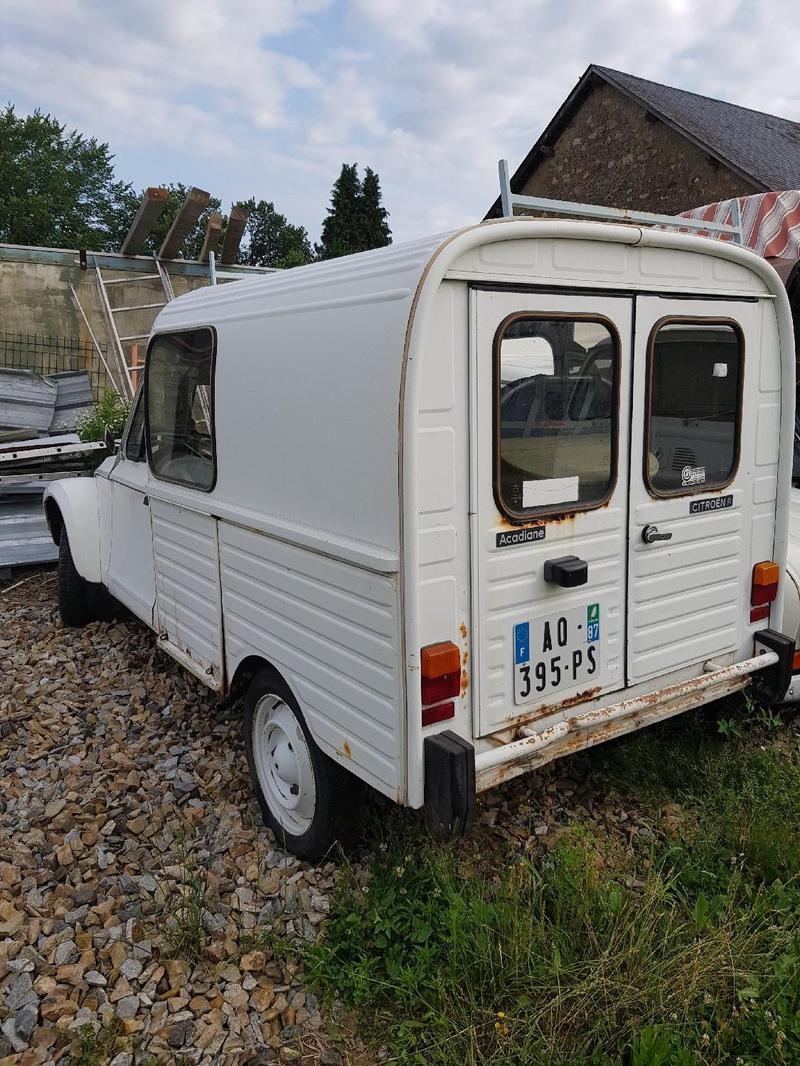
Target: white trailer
pixel 451 509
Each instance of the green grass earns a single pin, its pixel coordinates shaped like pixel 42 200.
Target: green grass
pixel 680 949
pixel 184 932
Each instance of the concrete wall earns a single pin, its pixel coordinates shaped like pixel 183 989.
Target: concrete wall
pixel 35 299
pixel 611 153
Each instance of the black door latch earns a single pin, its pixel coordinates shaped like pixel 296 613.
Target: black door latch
pixel 568 571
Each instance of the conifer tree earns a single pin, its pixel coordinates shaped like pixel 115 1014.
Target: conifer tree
pixel 376 232
pixel 357 220
pixel 341 229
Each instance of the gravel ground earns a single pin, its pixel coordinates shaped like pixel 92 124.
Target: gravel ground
pixel 126 822
pixel 128 832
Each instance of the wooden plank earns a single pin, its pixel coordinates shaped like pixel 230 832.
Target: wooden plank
pixel 193 206
pixel 150 210
pixel 213 234
pixel 233 233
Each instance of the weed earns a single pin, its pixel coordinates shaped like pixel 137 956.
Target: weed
pixel 684 950
pixel 186 935
pixel 90 1048
pixel 111 413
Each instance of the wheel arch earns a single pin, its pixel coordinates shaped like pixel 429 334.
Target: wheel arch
pixel 247 668
pixel 72 504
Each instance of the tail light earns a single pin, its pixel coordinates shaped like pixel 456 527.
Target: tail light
pixel 441 680
pixel 763 590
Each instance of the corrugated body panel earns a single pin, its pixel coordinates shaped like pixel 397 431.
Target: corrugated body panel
pixel 187 583
pixel 332 630
pixel 687 600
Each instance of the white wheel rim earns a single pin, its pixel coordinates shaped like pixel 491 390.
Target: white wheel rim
pixel 283 765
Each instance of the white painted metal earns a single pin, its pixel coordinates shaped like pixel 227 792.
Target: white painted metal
pixel 351 467
pixel 76 499
pixel 510 587
pixel 689 597
pixel 581 725
pixel 130 571
pixel 27 451
pixel 283 765
pixel 332 628
pixel 186 562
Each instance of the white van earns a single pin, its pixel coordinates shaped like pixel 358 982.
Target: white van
pixel 448 510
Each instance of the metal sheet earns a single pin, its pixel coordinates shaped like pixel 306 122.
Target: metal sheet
pixel 73 395
pixel 24 536
pixel 27 401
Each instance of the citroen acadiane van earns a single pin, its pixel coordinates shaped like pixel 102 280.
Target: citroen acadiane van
pixel 448 510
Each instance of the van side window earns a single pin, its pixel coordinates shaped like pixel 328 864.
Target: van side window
pixel 694 400
pixel 134 439
pixel 555 414
pixel 179 408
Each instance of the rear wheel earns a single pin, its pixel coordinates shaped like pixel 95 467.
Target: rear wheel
pixel 79 601
pixel 306 799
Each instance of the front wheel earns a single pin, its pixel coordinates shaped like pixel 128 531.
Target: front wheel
pixel 305 798
pixel 79 601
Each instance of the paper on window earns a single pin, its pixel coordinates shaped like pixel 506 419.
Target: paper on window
pixel 720 370
pixel 550 491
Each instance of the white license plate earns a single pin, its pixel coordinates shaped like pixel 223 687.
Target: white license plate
pixel 556 652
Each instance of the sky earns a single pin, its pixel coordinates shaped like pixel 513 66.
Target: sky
pixel 268 98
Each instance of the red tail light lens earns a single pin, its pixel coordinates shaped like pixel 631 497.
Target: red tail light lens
pixel 765 583
pixel 441 672
pixel 430 715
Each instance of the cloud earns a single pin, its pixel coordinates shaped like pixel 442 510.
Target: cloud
pixel 269 97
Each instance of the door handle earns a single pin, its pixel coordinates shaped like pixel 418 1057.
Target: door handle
pixel 651 534
pixel 569 571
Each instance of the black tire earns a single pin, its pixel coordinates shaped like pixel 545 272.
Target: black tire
pixel 79 601
pixel 338 793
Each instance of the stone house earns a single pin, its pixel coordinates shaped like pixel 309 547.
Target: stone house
pixel 622 141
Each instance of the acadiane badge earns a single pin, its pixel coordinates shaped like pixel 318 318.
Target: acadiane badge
pixel 693 475
pixel 556 652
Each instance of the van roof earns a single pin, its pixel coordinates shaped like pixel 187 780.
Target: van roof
pixel 354 277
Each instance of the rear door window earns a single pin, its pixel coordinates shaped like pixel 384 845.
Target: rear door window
pixel 555 414
pixel 180 406
pixel 693 406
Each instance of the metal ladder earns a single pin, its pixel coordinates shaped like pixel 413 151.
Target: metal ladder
pixel 119 340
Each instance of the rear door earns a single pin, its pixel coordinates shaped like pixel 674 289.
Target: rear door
pixel 693 460
pixel 550 427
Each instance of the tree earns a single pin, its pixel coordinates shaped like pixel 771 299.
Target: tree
pixel 341 230
pixel 356 218
pixel 58 187
pixel 376 230
pixel 271 240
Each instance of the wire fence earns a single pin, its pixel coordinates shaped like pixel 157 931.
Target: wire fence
pixel 53 355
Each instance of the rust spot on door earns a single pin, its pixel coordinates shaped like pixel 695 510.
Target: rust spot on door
pixel 463 630
pixel 464 683
pixel 346 751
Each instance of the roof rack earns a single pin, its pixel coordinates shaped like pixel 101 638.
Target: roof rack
pixel 509 201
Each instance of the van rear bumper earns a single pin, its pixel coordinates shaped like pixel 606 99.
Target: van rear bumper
pixel 536 747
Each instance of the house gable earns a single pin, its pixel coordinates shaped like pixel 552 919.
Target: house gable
pixel 626 142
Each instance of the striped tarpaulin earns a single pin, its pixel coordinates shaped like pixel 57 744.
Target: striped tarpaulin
pixel 770 222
